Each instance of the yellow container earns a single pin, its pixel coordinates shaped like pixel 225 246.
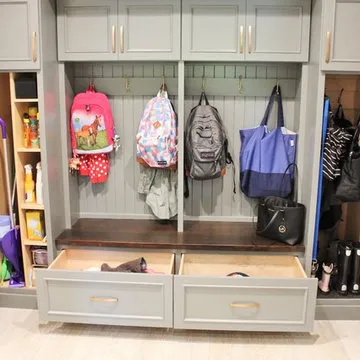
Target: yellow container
pixel 35 225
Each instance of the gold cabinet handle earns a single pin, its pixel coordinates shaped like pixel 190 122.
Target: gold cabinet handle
pixel 328 47
pixel 33 46
pixel 113 43
pixel 250 40
pixel 241 39
pixel 122 39
pixel 105 300
pixel 254 305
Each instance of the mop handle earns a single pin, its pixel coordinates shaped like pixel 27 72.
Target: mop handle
pixel 3 130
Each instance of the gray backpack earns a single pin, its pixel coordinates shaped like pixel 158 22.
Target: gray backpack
pixel 206 144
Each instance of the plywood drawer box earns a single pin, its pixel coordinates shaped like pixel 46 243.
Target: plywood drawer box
pixel 277 295
pixel 67 292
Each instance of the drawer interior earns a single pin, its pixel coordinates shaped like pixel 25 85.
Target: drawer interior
pixel 79 259
pixel 282 266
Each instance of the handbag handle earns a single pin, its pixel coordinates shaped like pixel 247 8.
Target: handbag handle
pixel 202 97
pixel 269 224
pixel 355 139
pixel 275 95
pixel 295 187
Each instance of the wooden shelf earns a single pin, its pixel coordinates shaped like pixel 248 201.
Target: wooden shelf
pixel 28 242
pixel 26 206
pixel 152 234
pixel 28 150
pixel 26 100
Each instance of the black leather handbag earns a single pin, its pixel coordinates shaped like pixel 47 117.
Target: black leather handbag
pixel 281 219
pixel 349 186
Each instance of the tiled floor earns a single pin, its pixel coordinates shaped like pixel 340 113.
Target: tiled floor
pixel 21 338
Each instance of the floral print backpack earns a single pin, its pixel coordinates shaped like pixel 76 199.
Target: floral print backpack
pixel 157 135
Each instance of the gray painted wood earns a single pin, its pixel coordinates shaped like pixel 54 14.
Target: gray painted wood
pixel 19 19
pixel 85 30
pixel 51 141
pixel 284 304
pixel 342 21
pixel 71 187
pixel 181 121
pixel 280 30
pixel 209 200
pixel 338 309
pixel 118 197
pixel 211 29
pixel 312 97
pixel 151 29
pixel 22 298
pixel 141 299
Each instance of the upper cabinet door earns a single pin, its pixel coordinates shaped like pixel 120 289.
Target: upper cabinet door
pixel 149 29
pixel 213 30
pixel 19 35
pixel 278 30
pixel 341 47
pixel 87 30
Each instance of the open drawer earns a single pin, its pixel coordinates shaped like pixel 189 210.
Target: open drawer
pixel 276 295
pixel 68 291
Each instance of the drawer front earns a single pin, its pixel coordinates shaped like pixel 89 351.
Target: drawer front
pixel 244 304
pixel 105 298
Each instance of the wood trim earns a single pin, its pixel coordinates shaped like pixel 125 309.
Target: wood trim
pixel 181 269
pixel 59 259
pixel 300 266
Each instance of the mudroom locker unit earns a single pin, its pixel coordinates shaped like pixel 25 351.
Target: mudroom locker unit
pixel 235 50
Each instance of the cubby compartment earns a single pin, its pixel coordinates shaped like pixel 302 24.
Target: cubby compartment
pixel 272 293
pixel 71 291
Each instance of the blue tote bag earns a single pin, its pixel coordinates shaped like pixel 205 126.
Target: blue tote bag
pixel 266 154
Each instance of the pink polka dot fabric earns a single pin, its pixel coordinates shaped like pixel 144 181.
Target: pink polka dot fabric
pixel 97 167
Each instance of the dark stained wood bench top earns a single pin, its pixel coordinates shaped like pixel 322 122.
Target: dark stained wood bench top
pixel 151 234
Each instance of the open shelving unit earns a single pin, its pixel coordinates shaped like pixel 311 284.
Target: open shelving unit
pixel 23 156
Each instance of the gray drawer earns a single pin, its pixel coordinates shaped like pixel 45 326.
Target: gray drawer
pixel 276 296
pixel 68 293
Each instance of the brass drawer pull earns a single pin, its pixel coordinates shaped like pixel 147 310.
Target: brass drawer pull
pixel 122 39
pixel 254 305
pixel 250 40
pixel 113 41
pixel 106 300
pixel 241 39
pixel 33 46
pixel 328 47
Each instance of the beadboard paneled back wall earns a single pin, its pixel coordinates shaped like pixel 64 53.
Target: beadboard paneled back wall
pixel 118 197
pixel 214 199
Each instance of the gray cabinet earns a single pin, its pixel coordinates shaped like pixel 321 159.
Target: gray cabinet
pixel 276 295
pixel 251 30
pixel 72 291
pixel 278 30
pixel 19 35
pixel 118 30
pixel 341 50
pixel 213 30
pixel 149 29
pixel 87 30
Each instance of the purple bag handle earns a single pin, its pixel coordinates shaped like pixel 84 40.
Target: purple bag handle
pixel 275 95
pixel 3 128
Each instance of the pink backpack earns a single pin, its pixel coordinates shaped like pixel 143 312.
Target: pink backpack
pixel 157 135
pixel 92 124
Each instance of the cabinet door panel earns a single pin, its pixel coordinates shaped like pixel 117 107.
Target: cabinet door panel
pixel 19 45
pixel 212 30
pixel 278 30
pixel 85 30
pixel 151 29
pixel 344 26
